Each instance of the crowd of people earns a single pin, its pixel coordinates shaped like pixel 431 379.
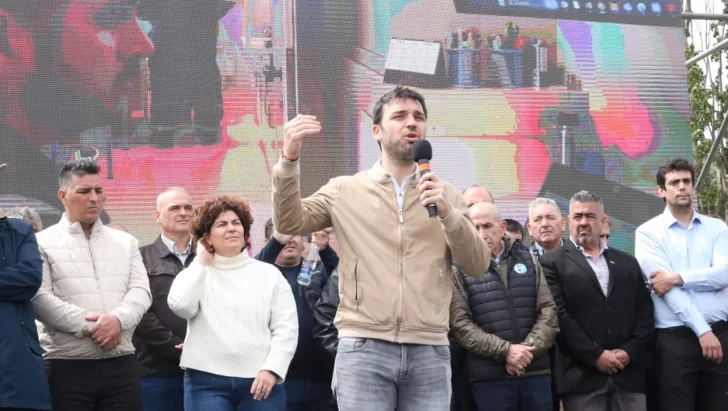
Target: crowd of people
pixel 453 312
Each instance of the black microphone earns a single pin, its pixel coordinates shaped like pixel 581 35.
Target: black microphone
pixel 422 154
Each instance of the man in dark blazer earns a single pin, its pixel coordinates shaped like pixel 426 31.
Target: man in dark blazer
pixel 605 316
pixel 160 335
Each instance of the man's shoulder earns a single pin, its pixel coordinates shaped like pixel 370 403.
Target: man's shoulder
pixel 713 222
pixel 22 227
pixel 50 235
pixel 149 248
pixel 651 225
pixel 118 236
pixel 553 255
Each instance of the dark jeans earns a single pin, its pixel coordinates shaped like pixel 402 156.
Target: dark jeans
pixel 163 393
pixel 95 385
pixel 207 392
pixel 685 380
pixel 307 395
pixel 514 394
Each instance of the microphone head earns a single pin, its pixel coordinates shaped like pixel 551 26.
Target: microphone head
pixel 421 150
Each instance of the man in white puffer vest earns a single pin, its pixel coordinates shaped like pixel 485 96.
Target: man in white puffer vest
pixel 94 293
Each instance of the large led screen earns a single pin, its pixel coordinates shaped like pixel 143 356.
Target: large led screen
pixel 195 94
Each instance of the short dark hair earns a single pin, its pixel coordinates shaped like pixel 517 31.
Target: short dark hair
pixel 401 92
pixel 268 233
pixel 78 168
pixel 207 213
pixel 676 164
pixel 513 226
pixel 585 196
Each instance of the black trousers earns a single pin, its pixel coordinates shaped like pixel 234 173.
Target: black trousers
pixel 685 380
pixel 95 385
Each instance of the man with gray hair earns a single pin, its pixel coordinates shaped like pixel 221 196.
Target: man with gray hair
pixel 94 293
pixel 161 333
pixel 507 356
pixel 27 214
pixel 605 316
pixel 546 225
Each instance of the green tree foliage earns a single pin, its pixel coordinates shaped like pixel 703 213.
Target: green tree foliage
pixel 708 104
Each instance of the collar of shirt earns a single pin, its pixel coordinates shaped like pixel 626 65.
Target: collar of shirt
pixel 539 250
pixel 497 258
pixel 172 249
pixel 602 248
pixel 378 168
pixel 670 219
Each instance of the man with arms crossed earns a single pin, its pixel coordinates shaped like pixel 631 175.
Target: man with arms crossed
pixel 684 256
pixel 394 273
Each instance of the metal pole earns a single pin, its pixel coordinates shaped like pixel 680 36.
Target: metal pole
pixel 706 53
pixel 717 141
pixel 704 16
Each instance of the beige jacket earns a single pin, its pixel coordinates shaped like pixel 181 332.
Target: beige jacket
pixel 101 274
pixel 395 282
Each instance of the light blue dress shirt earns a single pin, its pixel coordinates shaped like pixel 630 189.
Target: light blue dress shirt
pixel 699 253
pixel 172 249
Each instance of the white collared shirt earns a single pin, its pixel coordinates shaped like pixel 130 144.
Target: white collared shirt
pixel 599 265
pixel 398 190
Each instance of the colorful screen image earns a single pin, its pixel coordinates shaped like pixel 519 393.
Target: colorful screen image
pixel 195 94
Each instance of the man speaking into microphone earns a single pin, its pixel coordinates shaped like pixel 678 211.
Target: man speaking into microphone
pixel 394 271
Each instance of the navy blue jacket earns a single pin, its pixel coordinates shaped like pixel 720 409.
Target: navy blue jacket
pixel 310 361
pixel 23 382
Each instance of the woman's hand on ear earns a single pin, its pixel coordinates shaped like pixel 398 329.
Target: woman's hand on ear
pixel 204 253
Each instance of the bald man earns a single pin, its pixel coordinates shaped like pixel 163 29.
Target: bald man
pixel 476 194
pixel 160 335
pixel 506 321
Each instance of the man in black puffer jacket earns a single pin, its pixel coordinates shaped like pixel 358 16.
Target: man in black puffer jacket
pixel 506 320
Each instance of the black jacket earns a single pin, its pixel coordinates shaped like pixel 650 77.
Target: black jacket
pixel 23 383
pixel 324 330
pixel 310 362
pixel 591 323
pixel 160 329
pixel 508 310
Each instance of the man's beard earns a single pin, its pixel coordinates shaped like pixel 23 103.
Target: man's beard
pixel 585 240
pixel 398 151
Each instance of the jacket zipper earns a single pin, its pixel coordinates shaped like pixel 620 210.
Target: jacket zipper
pixel 511 307
pixel 400 309
pixel 96 273
pixel 356 287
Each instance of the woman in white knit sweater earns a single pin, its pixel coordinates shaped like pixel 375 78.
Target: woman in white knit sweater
pixel 242 327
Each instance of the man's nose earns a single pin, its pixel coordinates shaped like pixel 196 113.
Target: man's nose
pixel 133 42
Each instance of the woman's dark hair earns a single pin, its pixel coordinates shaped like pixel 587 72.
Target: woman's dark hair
pixel 207 213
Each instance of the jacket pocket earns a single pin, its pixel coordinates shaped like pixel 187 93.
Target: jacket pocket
pixel 349 285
